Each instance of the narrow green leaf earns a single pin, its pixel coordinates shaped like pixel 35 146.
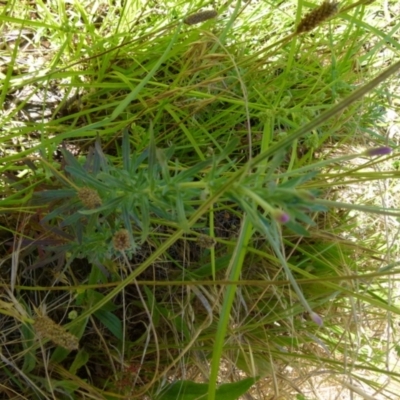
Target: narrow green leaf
pixel 145 217
pixel 190 173
pixel 86 178
pixel 133 95
pixel 236 265
pixel 126 150
pixel 49 195
pixel 206 269
pixel 180 208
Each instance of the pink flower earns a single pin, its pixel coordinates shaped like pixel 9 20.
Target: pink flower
pixel 281 216
pixel 378 151
pixel 316 318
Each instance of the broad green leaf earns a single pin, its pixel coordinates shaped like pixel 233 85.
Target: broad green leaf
pixel 152 306
pixel 258 364
pixel 80 360
pixel 182 327
pixel 96 276
pixel 111 322
pixel 206 269
pixel 64 385
pixel 188 390
pixel 232 391
pixel 184 390
pixel 29 352
pixel 93 297
pixel 297 228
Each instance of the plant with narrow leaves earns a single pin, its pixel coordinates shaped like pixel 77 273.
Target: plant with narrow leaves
pixel 112 208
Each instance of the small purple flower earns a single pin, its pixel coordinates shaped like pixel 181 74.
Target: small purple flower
pixel 316 318
pixel 281 216
pixel 378 151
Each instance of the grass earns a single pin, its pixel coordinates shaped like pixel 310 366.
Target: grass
pixel 199 210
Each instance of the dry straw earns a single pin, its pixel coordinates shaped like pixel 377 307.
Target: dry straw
pixel 314 18
pixel 200 17
pixel 46 328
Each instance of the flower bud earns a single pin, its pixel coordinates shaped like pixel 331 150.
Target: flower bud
pixel 378 151
pixel 316 318
pixel 280 216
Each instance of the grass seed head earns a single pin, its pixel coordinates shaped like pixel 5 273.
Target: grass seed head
pixel 200 17
pixel 121 240
pixel 206 241
pixel 89 197
pixel 46 328
pixel 314 18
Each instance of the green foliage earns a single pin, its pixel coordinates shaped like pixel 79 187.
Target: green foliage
pixel 188 390
pixel 145 191
pixel 29 357
pixel 177 192
pixel 81 359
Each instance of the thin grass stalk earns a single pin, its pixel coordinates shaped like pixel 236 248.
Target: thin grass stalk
pixel 28 381
pixel 235 270
pixel 348 206
pixel 132 96
pixel 326 115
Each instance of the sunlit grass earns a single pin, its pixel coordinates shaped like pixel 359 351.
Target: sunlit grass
pixel 194 203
